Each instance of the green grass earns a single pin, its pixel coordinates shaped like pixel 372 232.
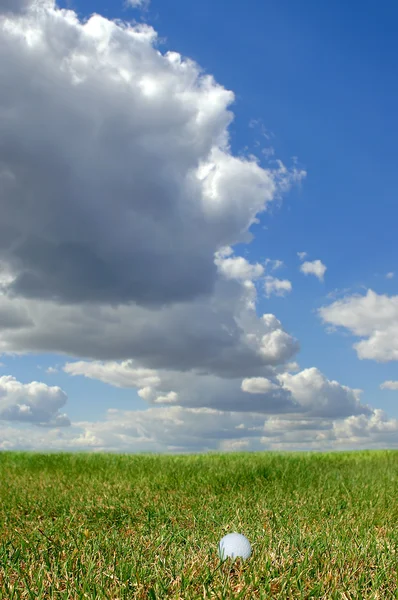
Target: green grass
pixel 147 526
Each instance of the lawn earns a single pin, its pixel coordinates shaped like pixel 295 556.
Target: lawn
pixel 109 526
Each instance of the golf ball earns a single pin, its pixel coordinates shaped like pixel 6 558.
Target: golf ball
pixel 234 545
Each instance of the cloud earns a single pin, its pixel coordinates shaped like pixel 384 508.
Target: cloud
pixel 258 385
pixel 122 375
pixel 316 267
pixel 137 3
pixel 372 316
pixel 83 217
pixel 323 397
pixel 302 255
pixel 390 275
pixel 273 264
pixel 110 262
pixel 378 427
pixel 279 287
pixel 221 334
pixel 237 267
pixel 14 317
pixel 308 391
pixel 188 389
pixel 389 385
pixel 20 6
pixel 178 429
pixel 32 402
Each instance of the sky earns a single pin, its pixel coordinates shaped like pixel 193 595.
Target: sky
pixel 198 246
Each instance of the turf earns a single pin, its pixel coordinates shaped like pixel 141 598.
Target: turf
pixel 147 526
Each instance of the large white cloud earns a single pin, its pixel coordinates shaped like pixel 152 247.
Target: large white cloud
pixel 33 402
pixel 117 182
pixel 120 198
pixel 373 317
pixel 323 397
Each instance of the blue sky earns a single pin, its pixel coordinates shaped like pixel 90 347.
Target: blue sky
pixel 315 87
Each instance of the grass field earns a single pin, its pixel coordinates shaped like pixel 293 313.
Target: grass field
pixel 147 526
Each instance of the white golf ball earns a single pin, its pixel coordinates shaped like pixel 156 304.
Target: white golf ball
pixel 234 545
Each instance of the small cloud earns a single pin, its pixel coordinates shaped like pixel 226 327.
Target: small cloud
pixel 169 398
pixel 52 370
pixel 268 152
pixel 261 129
pixel 390 275
pixel 316 267
pixel 279 287
pixel 338 293
pixel 137 3
pixel 273 264
pixel 302 255
pixel 236 267
pixel 331 329
pixel 389 385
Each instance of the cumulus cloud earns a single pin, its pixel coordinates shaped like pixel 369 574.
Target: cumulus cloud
pixel 323 397
pixel 390 275
pixel 110 262
pixel 83 217
pixel 302 255
pixel 237 267
pixel 278 287
pixel 33 402
pixel 373 317
pixel 314 393
pixel 378 426
pixel 316 267
pixel 389 385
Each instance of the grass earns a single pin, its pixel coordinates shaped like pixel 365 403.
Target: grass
pixel 147 526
